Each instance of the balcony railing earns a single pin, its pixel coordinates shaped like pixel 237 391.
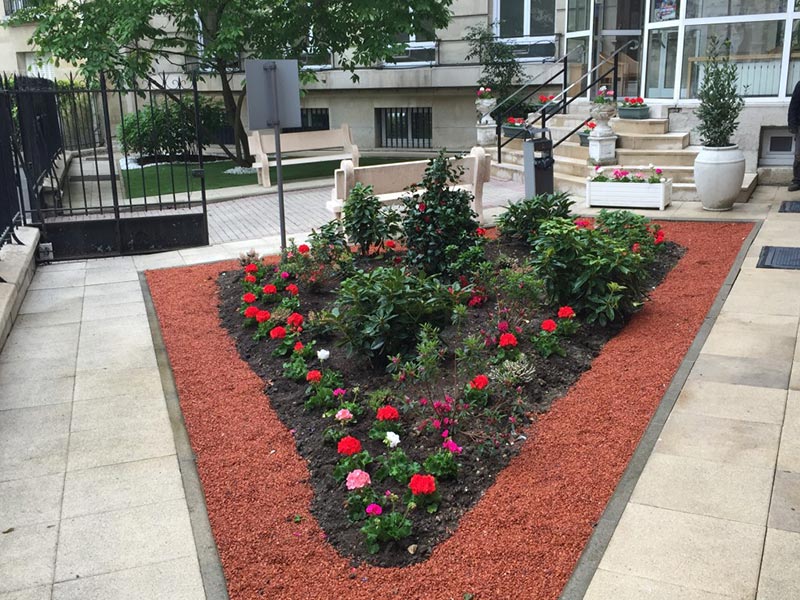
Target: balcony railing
pixel 12 6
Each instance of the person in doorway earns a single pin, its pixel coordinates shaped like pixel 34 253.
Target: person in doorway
pixel 794 127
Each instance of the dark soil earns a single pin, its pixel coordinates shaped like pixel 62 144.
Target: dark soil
pixel 554 377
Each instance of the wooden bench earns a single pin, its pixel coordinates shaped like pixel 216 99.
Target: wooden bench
pixel 389 182
pixel 262 146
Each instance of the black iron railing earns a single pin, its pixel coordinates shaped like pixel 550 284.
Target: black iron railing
pixel 404 127
pixel 12 6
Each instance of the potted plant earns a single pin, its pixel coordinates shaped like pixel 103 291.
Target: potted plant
pixel 583 134
pixel 623 189
pixel 604 106
pixel 633 108
pixel 514 127
pixel 719 166
pixel 485 103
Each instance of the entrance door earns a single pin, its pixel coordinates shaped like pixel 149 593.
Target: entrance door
pixel 616 23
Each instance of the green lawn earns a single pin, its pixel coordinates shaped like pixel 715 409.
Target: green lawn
pixel 173 177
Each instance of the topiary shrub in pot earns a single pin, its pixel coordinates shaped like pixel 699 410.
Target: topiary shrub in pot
pixel 719 167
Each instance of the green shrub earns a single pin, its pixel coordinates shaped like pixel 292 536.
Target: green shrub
pixel 630 229
pixel 587 269
pixel 365 223
pixel 522 219
pixel 379 313
pixel 168 129
pixel 438 217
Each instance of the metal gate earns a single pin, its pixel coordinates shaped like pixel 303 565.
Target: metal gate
pixel 93 193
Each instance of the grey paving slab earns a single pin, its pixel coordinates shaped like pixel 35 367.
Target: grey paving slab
pixel 753 335
pixel 120 486
pixel 171 580
pixel 161 260
pixel 46 278
pixel 96 447
pixel 43 336
pixel 70 265
pixel 789 453
pixel 615 586
pixel 756 372
pixel 114 262
pixel 65 314
pixel 113 311
pixel 116 356
pixel 794 379
pixel 40 353
pixel 123 539
pixel 124 413
pixel 100 383
pixel 112 275
pixel 724 400
pixel 784 510
pixel 780 571
pixel 36 593
pixel 27 557
pixel 30 501
pixel 110 291
pixel 36 392
pixel 704 487
pixel 686 550
pixel 728 441
pixel 51 300
pixel 33 441
pixel 14 370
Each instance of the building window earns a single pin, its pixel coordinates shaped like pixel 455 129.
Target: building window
pixel 529 25
pixel 715 8
pixel 665 10
pixel 662 59
pixel 312 119
pixel 36 67
pixel 578 14
pixel 756 49
pixel 420 48
pixel 404 127
pixel 777 147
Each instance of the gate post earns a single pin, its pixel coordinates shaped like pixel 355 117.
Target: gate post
pixel 112 171
pixel 200 171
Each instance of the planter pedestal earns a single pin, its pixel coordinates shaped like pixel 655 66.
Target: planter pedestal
pixel 487 135
pixel 603 149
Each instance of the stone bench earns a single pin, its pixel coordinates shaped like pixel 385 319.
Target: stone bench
pixel 390 182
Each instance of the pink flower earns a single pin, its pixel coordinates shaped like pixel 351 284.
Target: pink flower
pixel 659 171
pixel 437 424
pixel 423 401
pixel 502 326
pixel 445 434
pixel 582 223
pixel 284 275
pixel 357 479
pixel 374 510
pixel 343 415
pixel 451 446
pixel 339 392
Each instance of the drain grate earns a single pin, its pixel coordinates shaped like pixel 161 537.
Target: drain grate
pixel 779 257
pixel 790 206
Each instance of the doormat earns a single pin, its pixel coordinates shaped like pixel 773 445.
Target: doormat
pixel 779 257
pixel 790 206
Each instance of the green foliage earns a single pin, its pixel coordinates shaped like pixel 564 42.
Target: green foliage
pixel 295 368
pixel 320 395
pixel 520 285
pixel 437 217
pixel 587 269
pixel 442 464
pixel 365 222
pixel 351 463
pixel 521 219
pixel 357 502
pixel 396 465
pixel 388 527
pixel 630 229
pixel 499 67
pixel 547 343
pixel 379 313
pixel 720 102
pixel 329 249
pixel 168 128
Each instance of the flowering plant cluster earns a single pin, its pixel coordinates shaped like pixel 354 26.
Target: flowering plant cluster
pixel 633 102
pixel 544 99
pixel 604 96
pixel 589 127
pixel 621 175
pixel 485 93
pixel 515 121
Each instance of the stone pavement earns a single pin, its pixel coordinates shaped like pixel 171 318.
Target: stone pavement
pixel 94 502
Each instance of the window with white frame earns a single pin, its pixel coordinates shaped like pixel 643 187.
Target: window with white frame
pixel 528 25
pixel 36 66
pixel 777 147
pixel 420 48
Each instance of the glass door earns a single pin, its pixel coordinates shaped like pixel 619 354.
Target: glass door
pixel 617 22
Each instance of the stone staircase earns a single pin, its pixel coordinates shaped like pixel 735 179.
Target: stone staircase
pixel 640 143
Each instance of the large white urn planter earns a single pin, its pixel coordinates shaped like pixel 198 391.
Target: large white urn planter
pixel 484 106
pixel 718 176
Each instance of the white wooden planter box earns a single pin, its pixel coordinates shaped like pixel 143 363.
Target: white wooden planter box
pixel 628 195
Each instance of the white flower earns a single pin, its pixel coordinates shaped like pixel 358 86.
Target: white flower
pixel 651 166
pixel 323 354
pixel 603 89
pixel 392 439
pixel 663 180
pixel 599 169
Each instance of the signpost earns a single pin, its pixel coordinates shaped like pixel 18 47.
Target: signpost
pixel 273 102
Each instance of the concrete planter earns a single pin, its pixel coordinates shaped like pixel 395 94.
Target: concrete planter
pixel 718 175
pixel 521 133
pixel 633 112
pixel 628 195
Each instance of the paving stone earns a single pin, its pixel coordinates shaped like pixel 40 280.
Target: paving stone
pixel 616 586
pixel 113 262
pixel 37 593
pixel 120 486
pixel 728 441
pixel 69 265
pixel 36 392
pixel 742 402
pixel 33 441
pixel 756 372
pixel 30 501
pixel 28 555
pixel 113 311
pixel 25 369
pixel 113 275
pixel 706 488
pixel 123 413
pixel 38 320
pixel 108 292
pixel 95 447
pixel 784 511
pixel 37 301
pixel 789 453
pixel 102 383
pixel 123 539
pixel 47 279
pixel 115 356
pixel 692 551
pixel 162 260
pixel 172 580
pixel 780 571
pixel 753 335
pixel 794 379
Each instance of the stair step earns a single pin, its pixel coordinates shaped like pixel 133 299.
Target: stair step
pixel 641 126
pixel 657 141
pixel 662 158
pixel 571 149
pixel 507 172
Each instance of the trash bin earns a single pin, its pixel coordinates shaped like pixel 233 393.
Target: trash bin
pixel 538 162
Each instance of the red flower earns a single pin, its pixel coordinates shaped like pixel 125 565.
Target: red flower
pixel 421 207
pixel 292 289
pixel 659 237
pixel 636 248
pixel 566 312
pixel 508 340
pixel 549 325
pixel 583 224
pixel 314 376
pixel 390 244
pixel 251 268
pixel 298 346
pixel 250 312
pixel 250 278
pixel 479 382
pixel 480 231
pixel 270 289
pixel 249 298
pixel 303 249
pixel 295 320
pixel 263 316
pixel 387 413
pixel 591 124
pixel 348 446
pixel 422 485
pixel 277 333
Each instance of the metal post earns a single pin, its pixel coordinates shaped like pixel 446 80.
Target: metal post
pixel 499 143
pixel 112 171
pixel 200 171
pixel 616 71
pixel 564 85
pixel 276 126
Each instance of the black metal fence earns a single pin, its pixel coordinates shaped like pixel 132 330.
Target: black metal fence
pixel 10 212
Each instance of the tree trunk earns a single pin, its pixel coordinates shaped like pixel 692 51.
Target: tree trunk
pixel 233 111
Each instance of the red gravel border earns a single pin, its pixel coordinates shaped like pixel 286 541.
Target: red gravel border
pixel 522 539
